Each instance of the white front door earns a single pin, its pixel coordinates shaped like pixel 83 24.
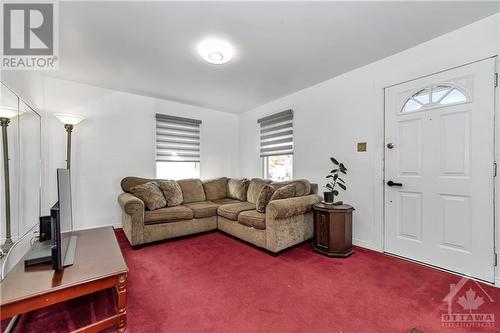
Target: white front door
pixel 439 159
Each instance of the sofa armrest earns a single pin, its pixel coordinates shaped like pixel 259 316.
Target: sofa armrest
pixel 281 209
pixel 133 217
pixel 131 204
pixel 289 222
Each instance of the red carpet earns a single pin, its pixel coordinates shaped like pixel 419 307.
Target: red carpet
pixel 215 283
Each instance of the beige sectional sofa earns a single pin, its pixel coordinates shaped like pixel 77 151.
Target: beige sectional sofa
pixel 207 206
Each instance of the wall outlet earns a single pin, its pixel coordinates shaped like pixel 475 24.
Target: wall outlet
pixel 361 146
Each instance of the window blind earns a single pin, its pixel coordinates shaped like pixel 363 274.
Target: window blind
pixel 276 134
pixel 177 139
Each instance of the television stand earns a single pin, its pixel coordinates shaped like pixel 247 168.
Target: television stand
pixel 69 258
pixel 98 265
pixel 39 253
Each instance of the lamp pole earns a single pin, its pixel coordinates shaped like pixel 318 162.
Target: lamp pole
pixel 69 121
pixel 4 122
pixel 69 129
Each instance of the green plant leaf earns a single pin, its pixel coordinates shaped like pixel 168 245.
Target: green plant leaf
pixel 342 186
pixel 335 176
pixel 330 176
pixel 340 180
pixel 334 170
pixel 335 192
pixel 334 161
pixel 344 172
pixel 329 186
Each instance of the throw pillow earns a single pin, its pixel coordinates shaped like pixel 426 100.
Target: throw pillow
pixel 192 190
pixel 172 192
pixel 302 186
pixel 151 194
pixel 284 192
pixel 264 197
pixel 237 188
pixel 215 188
pixel 254 188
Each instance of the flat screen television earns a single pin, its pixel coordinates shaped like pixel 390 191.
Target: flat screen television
pixel 59 248
pixel 63 242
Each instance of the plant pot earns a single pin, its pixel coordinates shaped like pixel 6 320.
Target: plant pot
pixel 328 196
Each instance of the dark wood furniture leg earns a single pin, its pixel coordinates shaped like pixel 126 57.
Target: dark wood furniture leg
pixel 121 290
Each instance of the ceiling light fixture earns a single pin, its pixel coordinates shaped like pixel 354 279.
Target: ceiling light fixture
pixel 216 52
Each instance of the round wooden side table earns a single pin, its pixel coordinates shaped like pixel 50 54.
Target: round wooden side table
pixel 332 230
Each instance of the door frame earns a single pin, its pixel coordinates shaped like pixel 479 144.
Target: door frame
pixel 496 97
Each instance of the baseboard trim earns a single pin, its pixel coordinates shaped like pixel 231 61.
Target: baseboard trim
pixel 114 225
pixel 367 245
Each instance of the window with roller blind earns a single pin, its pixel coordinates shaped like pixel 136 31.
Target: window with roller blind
pixel 276 145
pixel 177 147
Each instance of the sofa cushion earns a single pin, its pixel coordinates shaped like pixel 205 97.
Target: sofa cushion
pixel 253 219
pixel 225 201
pixel 254 188
pixel 151 194
pixel 284 192
pixel 168 214
pixel 265 195
pixel 237 188
pixel 128 182
pixel 172 192
pixel 231 211
pixel 302 186
pixel 203 208
pixel 192 190
pixel 215 188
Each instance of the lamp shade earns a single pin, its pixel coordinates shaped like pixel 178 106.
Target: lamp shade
pixel 69 119
pixel 8 112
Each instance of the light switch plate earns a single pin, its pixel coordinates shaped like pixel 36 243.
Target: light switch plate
pixel 361 146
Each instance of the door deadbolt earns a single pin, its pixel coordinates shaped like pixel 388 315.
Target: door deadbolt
pixel 390 145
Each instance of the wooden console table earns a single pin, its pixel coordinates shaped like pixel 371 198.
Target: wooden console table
pixel 333 230
pixel 98 265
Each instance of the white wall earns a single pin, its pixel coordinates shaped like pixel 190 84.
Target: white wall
pixel 27 84
pixel 331 117
pixel 118 139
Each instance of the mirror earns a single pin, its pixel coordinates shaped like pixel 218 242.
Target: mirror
pixel 20 172
pixel 29 199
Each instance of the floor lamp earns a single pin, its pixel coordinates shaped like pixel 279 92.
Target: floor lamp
pixel 6 114
pixel 69 121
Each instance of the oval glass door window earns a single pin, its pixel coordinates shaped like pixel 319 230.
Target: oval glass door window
pixel 434 96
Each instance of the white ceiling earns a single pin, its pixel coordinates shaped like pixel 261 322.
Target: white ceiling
pixel 149 48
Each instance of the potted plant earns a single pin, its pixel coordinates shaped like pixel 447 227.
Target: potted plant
pixel 335 182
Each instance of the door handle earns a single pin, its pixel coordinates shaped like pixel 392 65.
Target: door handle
pixel 391 183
